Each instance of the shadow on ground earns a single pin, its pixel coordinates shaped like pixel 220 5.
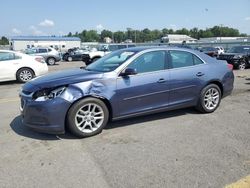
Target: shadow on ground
pixel 18 127
pixel 10 83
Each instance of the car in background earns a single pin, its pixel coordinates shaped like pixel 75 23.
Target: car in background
pixel 74 54
pixel 91 56
pixel 211 51
pixel 220 50
pixel 182 46
pixel 238 56
pixel 21 67
pixel 50 55
pixel 125 83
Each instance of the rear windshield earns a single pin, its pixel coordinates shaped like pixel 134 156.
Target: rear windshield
pixel 239 49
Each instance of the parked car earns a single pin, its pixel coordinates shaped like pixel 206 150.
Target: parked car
pixel 211 51
pixel 220 50
pixel 74 54
pixel 91 56
pixel 238 56
pixel 19 66
pixel 124 83
pixel 50 55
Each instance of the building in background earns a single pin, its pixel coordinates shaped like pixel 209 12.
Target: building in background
pixel 224 39
pixel 19 43
pixel 175 38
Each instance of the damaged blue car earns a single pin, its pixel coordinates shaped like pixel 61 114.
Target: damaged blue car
pixel 125 83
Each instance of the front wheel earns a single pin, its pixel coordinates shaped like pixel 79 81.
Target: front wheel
pixel 87 117
pixel 95 59
pixel 210 98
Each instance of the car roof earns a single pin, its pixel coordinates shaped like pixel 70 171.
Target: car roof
pixel 201 55
pixel 142 48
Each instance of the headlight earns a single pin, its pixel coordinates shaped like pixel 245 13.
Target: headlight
pixel 47 94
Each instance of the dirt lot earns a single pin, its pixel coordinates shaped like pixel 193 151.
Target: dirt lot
pixel 181 148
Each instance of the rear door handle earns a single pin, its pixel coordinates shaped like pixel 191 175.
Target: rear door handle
pixel 161 80
pixel 200 74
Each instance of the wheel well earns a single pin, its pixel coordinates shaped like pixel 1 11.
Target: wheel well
pixel 218 84
pixel 95 57
pixel 50 57
pixel 26 68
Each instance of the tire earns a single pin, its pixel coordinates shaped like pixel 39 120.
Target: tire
pixel 207 101
pixel 95 59
pixel 242 65
pixel 51 61
pixel 24 75
pixel 65 57
pixel 69 59
pixel 81 119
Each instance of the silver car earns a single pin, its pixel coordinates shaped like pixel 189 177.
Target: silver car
pixel 50 55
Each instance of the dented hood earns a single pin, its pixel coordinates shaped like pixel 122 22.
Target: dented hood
pixel 61 78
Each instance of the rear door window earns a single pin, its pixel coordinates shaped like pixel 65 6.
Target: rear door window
pixel 183 59
pixel 42 50
pixel 6 56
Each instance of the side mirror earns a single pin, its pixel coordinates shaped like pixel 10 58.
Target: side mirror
pixel 128 71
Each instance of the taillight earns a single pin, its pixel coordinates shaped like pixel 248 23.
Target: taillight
pixel 230 66
pixel 40 59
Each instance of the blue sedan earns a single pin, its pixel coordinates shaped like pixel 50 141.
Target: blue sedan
pixel 123 84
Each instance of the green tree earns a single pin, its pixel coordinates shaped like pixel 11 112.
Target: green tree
pixel 106 33
pixel 119 36
pixel 4 41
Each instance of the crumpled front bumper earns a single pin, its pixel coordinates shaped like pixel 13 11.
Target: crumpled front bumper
pixel 44 116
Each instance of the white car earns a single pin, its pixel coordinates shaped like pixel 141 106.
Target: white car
pixel 21 67
pixel 220 50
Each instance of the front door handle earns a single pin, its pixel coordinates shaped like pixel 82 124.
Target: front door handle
pixel 200 74
pixel 161 80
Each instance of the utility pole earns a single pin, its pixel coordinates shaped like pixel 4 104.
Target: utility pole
pixel 220 31
pixel 135 36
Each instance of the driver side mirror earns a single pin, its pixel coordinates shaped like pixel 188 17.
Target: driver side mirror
pixel 128 71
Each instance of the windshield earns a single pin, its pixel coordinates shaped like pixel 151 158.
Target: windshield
pixel 208 49
pixel 111 61
pixel 102 48
pixel 239 49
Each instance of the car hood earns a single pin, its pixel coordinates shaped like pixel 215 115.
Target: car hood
pixel 61 78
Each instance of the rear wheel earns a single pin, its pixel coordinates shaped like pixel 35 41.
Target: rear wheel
pixel 210 98
pixel 242 65
pixel 69 58
pixel 87 117
pixel 24 75
pixel 51 61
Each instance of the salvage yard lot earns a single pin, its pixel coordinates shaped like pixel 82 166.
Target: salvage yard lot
pixel 182 148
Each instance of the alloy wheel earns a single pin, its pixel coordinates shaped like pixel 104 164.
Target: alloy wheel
pixel 89 118
pixel 25 75
pixel 242 65
pixel 211 98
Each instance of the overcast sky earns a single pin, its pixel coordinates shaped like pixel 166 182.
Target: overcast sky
pixel 55 17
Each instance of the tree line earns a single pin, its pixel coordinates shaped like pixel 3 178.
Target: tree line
pixel 147 35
